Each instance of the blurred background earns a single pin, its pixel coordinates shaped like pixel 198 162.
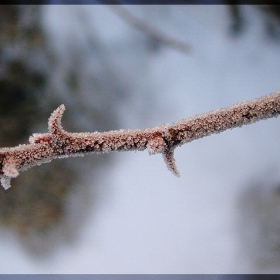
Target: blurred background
pixel 134 67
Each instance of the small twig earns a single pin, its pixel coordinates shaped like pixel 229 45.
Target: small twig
pixel 59 143
pixel 143 26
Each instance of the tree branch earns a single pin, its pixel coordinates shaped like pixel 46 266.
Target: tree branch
pixel 59 143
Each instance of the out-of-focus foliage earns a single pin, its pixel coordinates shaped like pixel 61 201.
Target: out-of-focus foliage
pixel 37 201
pixel 37 207
pixel 271 15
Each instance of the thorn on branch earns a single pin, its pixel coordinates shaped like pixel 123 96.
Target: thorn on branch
pixel 168 156
pixel 54 123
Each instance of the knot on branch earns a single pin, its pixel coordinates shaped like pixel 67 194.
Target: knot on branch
pixel 156 144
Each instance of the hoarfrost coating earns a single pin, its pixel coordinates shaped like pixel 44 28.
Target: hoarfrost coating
pixel 162 139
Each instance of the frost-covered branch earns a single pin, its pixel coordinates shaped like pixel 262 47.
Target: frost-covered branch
pixel 58 143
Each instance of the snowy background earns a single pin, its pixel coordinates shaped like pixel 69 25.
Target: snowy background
pixel 222 215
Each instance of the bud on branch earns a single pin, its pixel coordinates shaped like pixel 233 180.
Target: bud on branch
pixel 59 143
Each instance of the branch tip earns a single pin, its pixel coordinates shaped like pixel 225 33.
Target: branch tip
pixel 9 168
pixel 5 181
